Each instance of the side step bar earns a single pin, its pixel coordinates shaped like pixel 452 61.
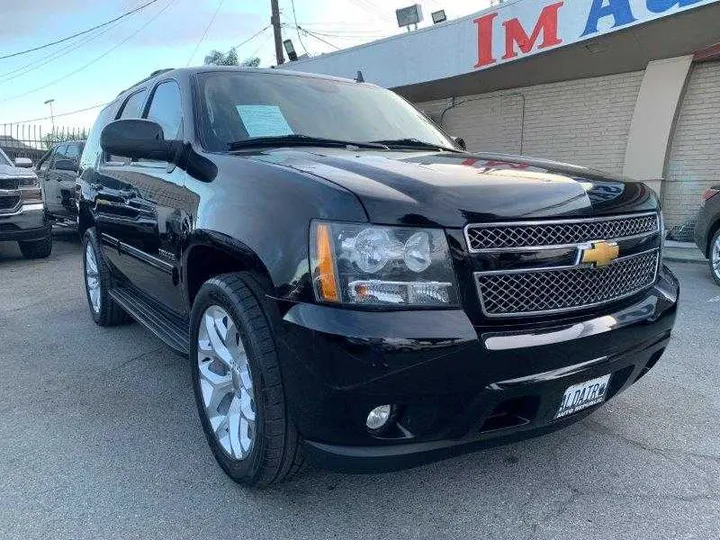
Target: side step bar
pixel 170 328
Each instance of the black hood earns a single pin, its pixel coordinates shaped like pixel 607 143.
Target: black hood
pixel 449 190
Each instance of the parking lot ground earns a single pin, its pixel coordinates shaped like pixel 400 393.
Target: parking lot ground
pixel 99 438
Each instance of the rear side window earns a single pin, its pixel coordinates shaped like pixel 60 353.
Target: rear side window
pixel 166 109
pixel 92 145
pixel 133 105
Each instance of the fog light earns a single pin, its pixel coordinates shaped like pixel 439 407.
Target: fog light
pixel 379 417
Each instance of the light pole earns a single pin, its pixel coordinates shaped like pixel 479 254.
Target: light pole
pixel 52 116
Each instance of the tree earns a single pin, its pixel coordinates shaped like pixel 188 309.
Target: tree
pixel 59 135
pixel 251 62
pixel 218 58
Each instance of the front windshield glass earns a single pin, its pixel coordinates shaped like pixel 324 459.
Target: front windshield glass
pixel 4 160
pixel 239 106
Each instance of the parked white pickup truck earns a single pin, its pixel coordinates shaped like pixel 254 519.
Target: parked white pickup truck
pixel 23 218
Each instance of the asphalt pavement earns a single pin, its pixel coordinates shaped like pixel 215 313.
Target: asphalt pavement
pixel 99 438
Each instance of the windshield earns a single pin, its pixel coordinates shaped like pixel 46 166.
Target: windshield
pixel 4 160
pixel 240 106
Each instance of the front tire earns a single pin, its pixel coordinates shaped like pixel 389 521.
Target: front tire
pixel 98 282
pixel 715 257
pixel 37 249
pixel 237 383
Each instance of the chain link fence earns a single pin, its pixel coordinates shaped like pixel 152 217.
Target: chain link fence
pixel 32 141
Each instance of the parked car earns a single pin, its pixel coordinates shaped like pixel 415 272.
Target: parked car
pixel 57 171
pixel 22 211
pixel 353 288
pixel 707 229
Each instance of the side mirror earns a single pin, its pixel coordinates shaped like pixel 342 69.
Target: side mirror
pixel 25 163
pixel 138 139
pixel 66 165
pixel 460 142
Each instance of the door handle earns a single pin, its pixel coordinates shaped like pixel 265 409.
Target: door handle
pixel 97 187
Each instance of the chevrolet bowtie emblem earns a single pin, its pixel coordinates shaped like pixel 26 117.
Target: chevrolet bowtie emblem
pixel 601 253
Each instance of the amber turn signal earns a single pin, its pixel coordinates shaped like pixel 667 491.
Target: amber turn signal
pixel 325 265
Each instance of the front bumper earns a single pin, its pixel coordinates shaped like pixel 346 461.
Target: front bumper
pixel 457 387
pixel 29 223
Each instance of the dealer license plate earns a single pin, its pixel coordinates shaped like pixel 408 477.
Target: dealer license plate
pixel 583 395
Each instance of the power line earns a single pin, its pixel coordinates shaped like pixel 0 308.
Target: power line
pixel 202 38
pixel 292 3
pixel 127 13
pixel 248 40
pixel 371 8
pixel 32 66
pixel 311 34
pixel 96 59
pixel 59 115
pixel 262 44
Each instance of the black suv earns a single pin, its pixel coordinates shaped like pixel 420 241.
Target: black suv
pixel 351 286
pixel 707 229
pixel 57 171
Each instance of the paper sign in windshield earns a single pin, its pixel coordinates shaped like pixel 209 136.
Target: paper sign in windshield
pixel 264 120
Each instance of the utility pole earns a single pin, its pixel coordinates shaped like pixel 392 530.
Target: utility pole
pixel 277 30
pixel 52 116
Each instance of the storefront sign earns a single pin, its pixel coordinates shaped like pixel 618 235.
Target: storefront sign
pixel 507 34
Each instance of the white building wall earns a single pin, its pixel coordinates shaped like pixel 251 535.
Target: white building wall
pixel 585 121
pixel 694 162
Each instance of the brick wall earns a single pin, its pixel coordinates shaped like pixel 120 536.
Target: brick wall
pixel 585 121
pixel 694 162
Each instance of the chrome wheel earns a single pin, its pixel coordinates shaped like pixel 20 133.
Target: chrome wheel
pixel 92 277
pixel 715 257
pixel 226 383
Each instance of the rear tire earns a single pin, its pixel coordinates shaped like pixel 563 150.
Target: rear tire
pixel 37 249
pixel 266 448
pixel 98 282
pixel 715 257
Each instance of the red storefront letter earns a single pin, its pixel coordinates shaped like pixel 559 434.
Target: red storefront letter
pixel 547 24
pixel 484 39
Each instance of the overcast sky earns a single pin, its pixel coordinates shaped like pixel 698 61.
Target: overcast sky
pixel 94 68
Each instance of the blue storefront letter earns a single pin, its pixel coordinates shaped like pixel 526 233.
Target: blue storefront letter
pixel 619 10
pixel 659 6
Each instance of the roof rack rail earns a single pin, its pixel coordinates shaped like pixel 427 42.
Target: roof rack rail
pixel 153 74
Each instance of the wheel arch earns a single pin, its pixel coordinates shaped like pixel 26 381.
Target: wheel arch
pixel 712 231
pixel 211 254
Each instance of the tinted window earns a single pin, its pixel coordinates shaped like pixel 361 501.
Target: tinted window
pixel 92 145
pixel 166 109
pixel 238 106
pixel 61 152
pixel 73 152
pixel 133 105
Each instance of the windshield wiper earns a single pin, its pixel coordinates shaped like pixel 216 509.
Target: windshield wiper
pixel 299 140
pixel 415 143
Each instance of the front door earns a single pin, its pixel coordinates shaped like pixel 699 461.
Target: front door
pixel 58 174
pixel 141 208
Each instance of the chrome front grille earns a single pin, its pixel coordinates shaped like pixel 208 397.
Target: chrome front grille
pixel 550 290
pixel 528 235
pixel 9 183
pixel 9 203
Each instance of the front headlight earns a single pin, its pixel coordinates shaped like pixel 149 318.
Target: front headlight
pixel 30 189
pixel 376 265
